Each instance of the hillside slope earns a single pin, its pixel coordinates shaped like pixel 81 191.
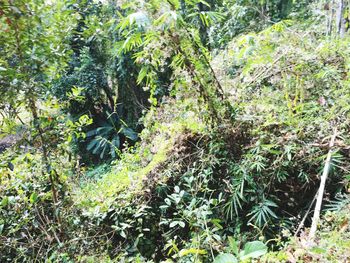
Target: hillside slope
pixel 254 176
pixel 226 167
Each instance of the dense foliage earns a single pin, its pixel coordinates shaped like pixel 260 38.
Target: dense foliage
pixel 173 131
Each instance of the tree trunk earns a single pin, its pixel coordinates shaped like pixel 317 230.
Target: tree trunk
pixel 45 154
pixel 342 18
pixel 330 18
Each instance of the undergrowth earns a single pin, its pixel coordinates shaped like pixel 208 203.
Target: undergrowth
pixel 188 187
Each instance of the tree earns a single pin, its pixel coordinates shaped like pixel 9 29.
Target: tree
pixel 170 40
pixel 34 37
pixel 107 80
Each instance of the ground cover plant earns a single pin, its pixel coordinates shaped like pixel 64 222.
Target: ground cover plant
pixel 174 131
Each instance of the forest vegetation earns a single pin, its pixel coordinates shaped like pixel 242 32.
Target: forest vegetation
pixel 174 131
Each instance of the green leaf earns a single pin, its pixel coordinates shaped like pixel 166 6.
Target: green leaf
pixel 4 201
pixel 318 250
pixel 123 234
pixel 194 251
pixel 233 245
pixel 92 144
pixel 169 17
pixel 129 133
pixel 179 223
pixel 115 144
pixel 253 249
pixel 103 151
pixel 216 222
pixel 116 141
pixel 33 198
pixel 225 258
pixel 91 133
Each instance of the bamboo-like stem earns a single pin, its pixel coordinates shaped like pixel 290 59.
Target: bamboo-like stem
pixel 324 176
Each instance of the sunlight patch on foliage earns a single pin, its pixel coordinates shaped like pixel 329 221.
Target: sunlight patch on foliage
pixel 126 175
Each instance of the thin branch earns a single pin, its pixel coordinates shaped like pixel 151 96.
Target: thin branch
pixel 301 225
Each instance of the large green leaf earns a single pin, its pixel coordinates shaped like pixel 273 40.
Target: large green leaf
pixel 225 258
pixel 233 245
pixel 92 144
pixel 115 144
pixel 33 197
pixel 129 133
pixel 253 249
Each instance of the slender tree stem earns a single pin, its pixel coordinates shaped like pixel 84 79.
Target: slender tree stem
pixel 324 176
pixel 45 155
